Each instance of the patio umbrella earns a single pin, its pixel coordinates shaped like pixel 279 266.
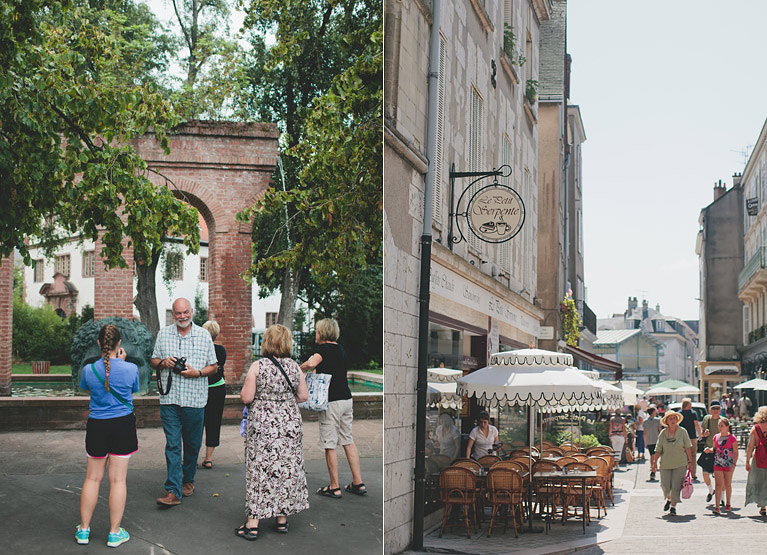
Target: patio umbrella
pixel 443 374
pixel 757 384
pixel 440 394
pixel 660 390
pixel 687 390
pixel 533 378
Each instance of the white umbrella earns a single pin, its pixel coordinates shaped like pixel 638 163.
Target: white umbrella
pixel 757 384
pixel 443 395
pixel 660 391
pixel 687 390
pixel 530 377
pixel 630 392
pixel 443 374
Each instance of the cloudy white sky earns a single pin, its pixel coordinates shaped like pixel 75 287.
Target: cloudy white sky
pixel 671 95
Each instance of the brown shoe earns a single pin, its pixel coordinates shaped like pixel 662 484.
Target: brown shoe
pixel 187 489
pixel 169 500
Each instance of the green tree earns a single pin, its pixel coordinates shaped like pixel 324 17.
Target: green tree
pixel 321 81
pixel 69 117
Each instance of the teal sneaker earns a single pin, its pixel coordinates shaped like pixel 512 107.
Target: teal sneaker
pixel 119 538
pixel 82 535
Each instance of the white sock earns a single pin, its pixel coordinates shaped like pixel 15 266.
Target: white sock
pixel 711 488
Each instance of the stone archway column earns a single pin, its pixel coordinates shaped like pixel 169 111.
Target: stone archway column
pixel 6 324
pixel 230 298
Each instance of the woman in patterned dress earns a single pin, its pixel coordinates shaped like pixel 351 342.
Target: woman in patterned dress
pixel 275 482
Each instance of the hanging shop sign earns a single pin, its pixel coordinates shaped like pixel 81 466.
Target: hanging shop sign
pixel 494 213
pixel 752 206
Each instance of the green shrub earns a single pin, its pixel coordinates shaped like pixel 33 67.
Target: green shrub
pixel 587 441
pixel 40 334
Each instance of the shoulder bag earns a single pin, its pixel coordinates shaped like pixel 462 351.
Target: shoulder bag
pixel 319 386
pixel 760 454
pixel 115 395
pixel 687 486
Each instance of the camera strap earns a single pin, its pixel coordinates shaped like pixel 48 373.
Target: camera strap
pixel 159 381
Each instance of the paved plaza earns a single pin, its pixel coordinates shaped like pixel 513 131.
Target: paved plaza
pixel 41 475
pixel 637 524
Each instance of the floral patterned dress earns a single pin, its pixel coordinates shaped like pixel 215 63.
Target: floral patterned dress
pixel 275 481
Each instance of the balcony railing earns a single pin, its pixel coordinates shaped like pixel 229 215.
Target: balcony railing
pixel 757 262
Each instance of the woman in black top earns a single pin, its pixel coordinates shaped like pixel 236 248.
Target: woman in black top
pixel 336 422
pixel 214 409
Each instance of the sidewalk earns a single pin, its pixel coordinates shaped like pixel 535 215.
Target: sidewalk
pixel 41 475
pixel 637 524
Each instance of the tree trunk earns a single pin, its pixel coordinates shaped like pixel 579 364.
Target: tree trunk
pixel 290 285
pixel 146 297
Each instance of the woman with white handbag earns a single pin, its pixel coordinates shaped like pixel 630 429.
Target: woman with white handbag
pixel 336 421
pixel 674 449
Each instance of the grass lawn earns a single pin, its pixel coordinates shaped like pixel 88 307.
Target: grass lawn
pixel 26 368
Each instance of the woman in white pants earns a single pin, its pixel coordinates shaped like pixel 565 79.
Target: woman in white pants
pixel 617 434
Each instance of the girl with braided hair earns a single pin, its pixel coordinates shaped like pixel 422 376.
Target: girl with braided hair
pixel 110 433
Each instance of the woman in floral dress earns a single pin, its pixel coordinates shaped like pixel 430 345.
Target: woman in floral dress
pixel 275 482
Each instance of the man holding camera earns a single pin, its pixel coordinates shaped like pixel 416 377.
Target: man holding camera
pixel 184 356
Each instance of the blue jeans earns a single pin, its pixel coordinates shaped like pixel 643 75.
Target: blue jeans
pixel 640 442
pixel 181 423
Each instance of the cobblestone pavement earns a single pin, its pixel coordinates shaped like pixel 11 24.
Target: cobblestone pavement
pixel 41 475
pixel 637 524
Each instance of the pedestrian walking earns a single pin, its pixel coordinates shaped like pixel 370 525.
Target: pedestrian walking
pixel 652 428
pixel 618 434
pixel 183 355
pixel 275 480
pixel 448 436
pixel 641 418
pixel 674 451
pixel 756 463
pixel 110 437
pixel 744 406
pixel 691 424
pixel 725 452
pixel 709 426
pixel 214 408
pixel 336 421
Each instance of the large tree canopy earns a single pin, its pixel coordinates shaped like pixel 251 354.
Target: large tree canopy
pixel 68 117
pixel 322 81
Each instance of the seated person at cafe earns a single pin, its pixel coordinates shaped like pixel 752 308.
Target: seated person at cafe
pixel 482 437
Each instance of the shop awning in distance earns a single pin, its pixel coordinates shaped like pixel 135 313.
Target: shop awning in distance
pixel 596 361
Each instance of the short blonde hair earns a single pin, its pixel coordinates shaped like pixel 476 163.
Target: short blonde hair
pixel 761 415
pixel 686 403
pixel 277 341
pixel 327 329
pixel 213 328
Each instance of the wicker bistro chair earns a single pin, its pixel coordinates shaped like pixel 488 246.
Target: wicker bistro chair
pixel 505 491
pixel 573 495
pixel 543 489
pixel 552 452
pixel 457 486
pixel 471 464
pixel 580 457
pixel 517 465
pixel 568 448
pixel 566 460
pixel 602 466
pixel 488 460
pixel 599 451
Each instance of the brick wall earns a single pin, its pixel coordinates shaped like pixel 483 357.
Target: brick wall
pixel 113 289
pixel 6 324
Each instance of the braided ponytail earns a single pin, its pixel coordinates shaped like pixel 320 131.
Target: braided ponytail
pixel 109 337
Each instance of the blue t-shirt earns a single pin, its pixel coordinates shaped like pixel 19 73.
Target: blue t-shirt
pixel 123 380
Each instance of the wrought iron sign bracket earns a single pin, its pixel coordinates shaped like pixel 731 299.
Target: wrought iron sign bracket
pixel 455 207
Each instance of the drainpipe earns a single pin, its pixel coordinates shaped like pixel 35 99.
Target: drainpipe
pixel 423 295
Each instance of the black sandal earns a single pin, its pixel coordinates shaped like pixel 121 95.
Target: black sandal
pixel 334 493
pixel 358 489
pixel 250 534
pixel 763 512
pixel 207 464
pixel 281 527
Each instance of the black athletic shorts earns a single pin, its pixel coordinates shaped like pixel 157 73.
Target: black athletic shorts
pixel 111 436
pixel 651 449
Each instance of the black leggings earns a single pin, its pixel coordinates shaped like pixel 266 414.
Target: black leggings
pixel 213 413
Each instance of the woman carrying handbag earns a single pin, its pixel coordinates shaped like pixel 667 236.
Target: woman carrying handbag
pixel 275 481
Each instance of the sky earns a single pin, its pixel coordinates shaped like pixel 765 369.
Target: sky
pixel 671 95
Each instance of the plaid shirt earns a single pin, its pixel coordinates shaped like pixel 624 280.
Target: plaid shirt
pixel 197 347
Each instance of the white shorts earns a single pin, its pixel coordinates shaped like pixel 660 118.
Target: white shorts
pixel 336 424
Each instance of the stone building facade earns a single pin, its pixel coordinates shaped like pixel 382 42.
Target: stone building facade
pixel 481 294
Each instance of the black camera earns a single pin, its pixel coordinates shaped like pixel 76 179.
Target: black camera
pixel 180 365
